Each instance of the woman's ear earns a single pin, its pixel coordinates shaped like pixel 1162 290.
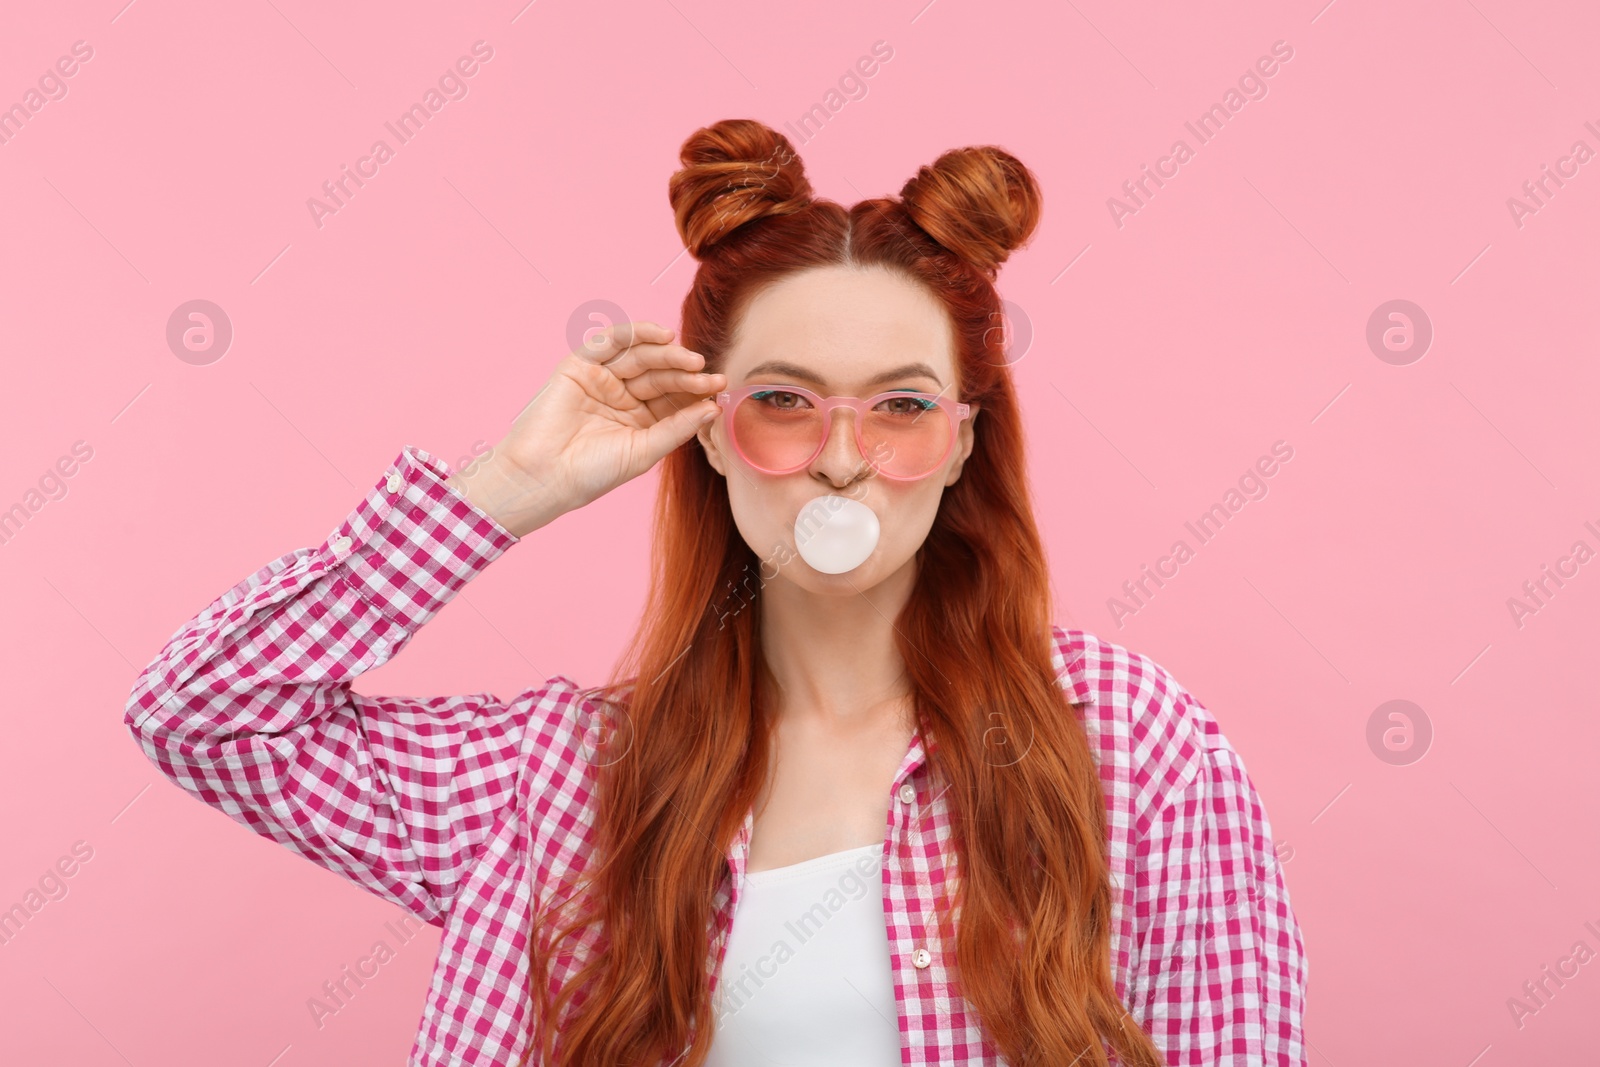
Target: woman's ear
pixel 964 442
pixel 713 453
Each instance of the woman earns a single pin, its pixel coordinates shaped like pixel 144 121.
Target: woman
pixel 1062 858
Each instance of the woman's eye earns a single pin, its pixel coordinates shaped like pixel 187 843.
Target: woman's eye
pixel 778 398
pixel 907 405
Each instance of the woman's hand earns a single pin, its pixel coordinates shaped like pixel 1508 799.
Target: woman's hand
pixel 609 412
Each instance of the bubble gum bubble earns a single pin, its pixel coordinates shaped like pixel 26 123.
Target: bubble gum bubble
pixel 836 534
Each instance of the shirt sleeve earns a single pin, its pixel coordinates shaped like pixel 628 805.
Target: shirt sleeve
pixel 249 705
pixel 1221 967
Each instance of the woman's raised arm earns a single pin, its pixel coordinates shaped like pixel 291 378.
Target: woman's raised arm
pixel 249 706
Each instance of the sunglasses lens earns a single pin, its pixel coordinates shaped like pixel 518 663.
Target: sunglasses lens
pixel 776 431
pixel 905 436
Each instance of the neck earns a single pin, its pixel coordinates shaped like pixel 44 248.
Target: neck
pixel 834 655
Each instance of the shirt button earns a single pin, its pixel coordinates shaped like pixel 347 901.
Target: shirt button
pixel 394 482
pixel 921 958
pixel 908 793
pixel 339 544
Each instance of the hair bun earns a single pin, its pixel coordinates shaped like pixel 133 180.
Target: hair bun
pixel 980 202
pixel 734 171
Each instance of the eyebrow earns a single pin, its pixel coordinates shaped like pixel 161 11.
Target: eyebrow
pixel 794 370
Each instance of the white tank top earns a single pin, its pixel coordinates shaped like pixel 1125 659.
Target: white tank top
pixel 806 979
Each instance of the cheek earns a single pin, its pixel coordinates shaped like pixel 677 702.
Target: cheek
pixel 759 506
pixel 907 515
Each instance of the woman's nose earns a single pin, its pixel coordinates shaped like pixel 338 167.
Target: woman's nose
pixel 840 460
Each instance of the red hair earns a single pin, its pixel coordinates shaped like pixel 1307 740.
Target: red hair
pixel 1032 948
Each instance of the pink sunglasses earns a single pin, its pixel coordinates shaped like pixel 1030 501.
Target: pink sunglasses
pixel 903 434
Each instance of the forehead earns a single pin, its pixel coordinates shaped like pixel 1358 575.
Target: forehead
pixel 846 324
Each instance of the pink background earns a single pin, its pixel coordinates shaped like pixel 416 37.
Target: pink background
pixel 1230 312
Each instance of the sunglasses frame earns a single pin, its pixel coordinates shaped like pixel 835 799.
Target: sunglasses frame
pixel 954 411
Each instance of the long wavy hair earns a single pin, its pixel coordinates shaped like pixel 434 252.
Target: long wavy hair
pixel 1032 946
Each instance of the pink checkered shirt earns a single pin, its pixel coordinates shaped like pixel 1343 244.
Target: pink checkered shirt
pixel 457 808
